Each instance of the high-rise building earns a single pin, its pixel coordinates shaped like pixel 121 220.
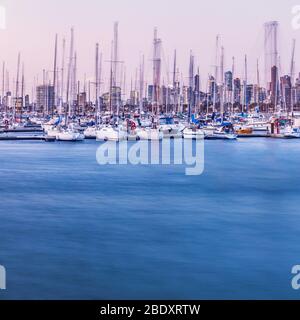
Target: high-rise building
pixel 237 90
pixel 286 89
pixel 274 86
pixel 249 94
pixel 228 81
pixel 45 98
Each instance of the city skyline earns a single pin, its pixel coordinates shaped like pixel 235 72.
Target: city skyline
pixel 43 21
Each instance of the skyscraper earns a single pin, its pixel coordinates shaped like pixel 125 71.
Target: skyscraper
pixel 286 89
pixel 45 98
pixel 274 86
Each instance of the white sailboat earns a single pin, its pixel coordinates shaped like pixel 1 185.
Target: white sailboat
pixel 149 134
pixel 110 133
pixel 193 133
pixel 292 133
pixel 221 134
pixel 170 129
pixel 69 135
pixel 90 132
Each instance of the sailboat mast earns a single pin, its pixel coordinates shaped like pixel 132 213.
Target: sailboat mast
pixel 141 89
pixel 74 85
pixel 99 85
pixel 54 74
pixel 69 76
pixel 258 81
pixel 22 90
pixel 245 84
pixel 222 83
pixel 97 81
pixel 174 68
pixel 62 75
pixel 17 86
pixel 292 74
pixel 216 73
pixel 232 85
pixel 191 83
pixel 111 81
pixel 156 72
pixel 3 82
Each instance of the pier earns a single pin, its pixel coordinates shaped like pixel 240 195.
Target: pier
pixel 27 138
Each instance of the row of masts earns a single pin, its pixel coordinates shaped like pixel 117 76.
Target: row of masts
pixel 65 95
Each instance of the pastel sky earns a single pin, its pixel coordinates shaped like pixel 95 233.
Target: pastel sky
pixel 184 25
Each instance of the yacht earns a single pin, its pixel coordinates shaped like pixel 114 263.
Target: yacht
pixel 223 134
pixel 69 135
pixel 110 133
pixel 90 132
pixel 292 133
pixel 52 132
pixel 170 129
pixel 193 133
pixel 149 134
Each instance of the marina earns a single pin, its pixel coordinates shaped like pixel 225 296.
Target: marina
pixel 69 109
pixel 149 152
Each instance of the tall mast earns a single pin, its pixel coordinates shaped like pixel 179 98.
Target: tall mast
pixel 292 75
pixel 111 81
pixel 292 68
pixel 54 74
pixel 245 83
pixel 233 86
pixel 7 83
pixel 141 89
pixel 74 84
pixel 116 53
pixel 100 77
pixel 17 86
pixel 257 73
pixel 3 82
pixel 222 83
pixel 89 92
pixel 69 76
pixel 174 69
pixel 62 74
pixel 156 71
pixel 97 82
pixel 216 72
pixel 22 89
pixel 258 80
pixel 281 93
pixel 191 84
pixel 175 80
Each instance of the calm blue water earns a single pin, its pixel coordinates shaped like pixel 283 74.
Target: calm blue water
pixel 71 229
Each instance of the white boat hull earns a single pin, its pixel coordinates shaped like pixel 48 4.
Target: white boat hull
pixel 110 134
pixel 69 136
pixel 149 134
pixel 90 133
pixel 193 134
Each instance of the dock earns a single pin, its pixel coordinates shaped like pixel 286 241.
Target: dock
pixel 253 135
pixel 22 130
pixel 27 138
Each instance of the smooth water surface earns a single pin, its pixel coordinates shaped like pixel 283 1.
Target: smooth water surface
pixel 71 229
